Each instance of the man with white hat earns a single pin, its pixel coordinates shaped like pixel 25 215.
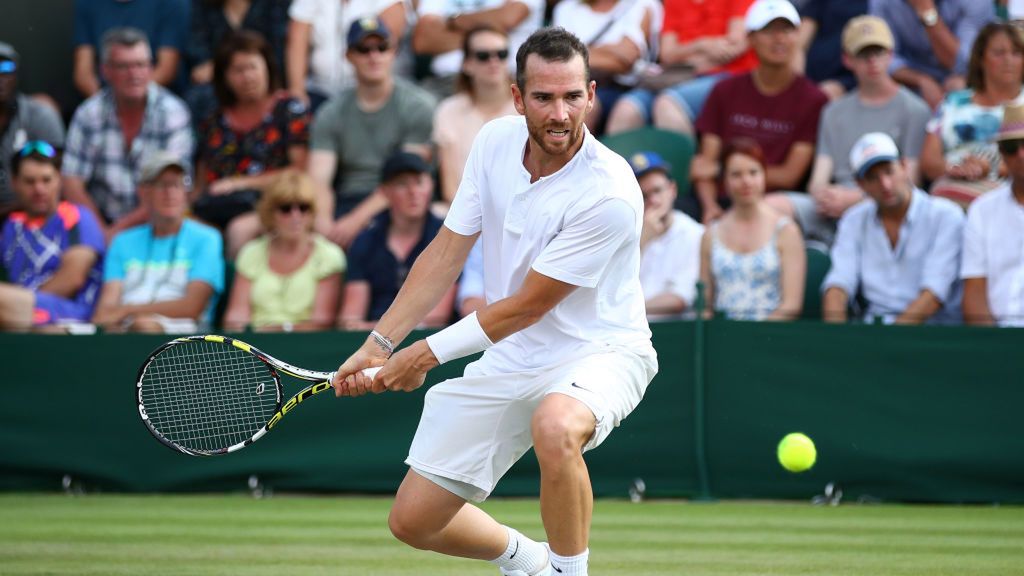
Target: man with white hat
pixel 993 265
pixel 900 250
pixel 773 105
pixel 878 104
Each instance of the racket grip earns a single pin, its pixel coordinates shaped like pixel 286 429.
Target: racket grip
pixel 371 372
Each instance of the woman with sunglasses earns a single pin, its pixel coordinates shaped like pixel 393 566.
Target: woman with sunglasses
pixel 290 277
pixel 959 154
pixel 257 130
pixel 482 95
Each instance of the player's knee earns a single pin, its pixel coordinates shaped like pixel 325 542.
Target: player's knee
pixel 557 436
pixel 404 526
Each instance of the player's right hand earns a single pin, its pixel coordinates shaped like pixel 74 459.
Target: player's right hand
pixel 349 380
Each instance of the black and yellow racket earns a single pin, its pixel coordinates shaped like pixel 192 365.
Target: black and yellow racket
pixel 209 395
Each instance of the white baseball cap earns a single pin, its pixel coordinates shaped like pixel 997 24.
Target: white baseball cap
pixel 870 149
pixel 763 12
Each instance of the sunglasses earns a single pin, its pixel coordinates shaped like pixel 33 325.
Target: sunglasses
pixel 8 67
pixel 1010 147
pixel 38 147
pixel 289 207
pixel 366 49
pixel 485 55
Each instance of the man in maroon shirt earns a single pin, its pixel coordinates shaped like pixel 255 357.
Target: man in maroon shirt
pixel 772 104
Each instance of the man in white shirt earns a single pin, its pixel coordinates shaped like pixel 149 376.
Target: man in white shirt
pixel 669 242
pixel 568 351
pixel 993 259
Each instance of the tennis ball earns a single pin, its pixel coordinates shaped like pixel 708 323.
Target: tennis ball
pixel 796 452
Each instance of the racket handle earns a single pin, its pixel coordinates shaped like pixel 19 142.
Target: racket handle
pixel 371 372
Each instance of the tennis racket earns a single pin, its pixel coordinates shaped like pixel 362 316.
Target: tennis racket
pixel 209 395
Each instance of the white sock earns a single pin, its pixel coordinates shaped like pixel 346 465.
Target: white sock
pixel 522 554
pixel 570 565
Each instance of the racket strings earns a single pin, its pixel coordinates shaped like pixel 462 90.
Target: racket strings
pixel 208 396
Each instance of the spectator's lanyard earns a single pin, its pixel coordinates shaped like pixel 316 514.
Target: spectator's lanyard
pixel 148 265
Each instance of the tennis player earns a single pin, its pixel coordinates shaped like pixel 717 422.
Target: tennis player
pixel 567 350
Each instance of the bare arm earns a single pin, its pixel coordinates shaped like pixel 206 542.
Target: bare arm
pixel 297 58
pixel 975 303
pixel 808 29
pixel 110 311
pixel 507 16
pixel 944 42
pixel 355 306
pixel 794 272
pixel 108 305
pixel 431 35
pixel 84 74
pixel 166 70
pixel 933 162
pixel 71 274
pixel 322 165
pixel 704 172
pixel 394 18
pixel 239 311
pixel 617 58
pixel 706 277
pixel 834 304
pixel 787 175
pixel 921 309
pixel 665 303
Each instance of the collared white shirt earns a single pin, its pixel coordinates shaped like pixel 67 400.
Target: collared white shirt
pixel 926 257
pixel 671 262
pixel 580 225
pixel 994 250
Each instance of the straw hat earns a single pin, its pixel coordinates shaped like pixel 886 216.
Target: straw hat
pixel 1012 127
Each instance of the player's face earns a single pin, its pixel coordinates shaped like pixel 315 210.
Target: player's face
pixel 744 179
pixel 659 192
pixel 129 71
pixel 38 187
pixel 775 44
pixel 247 76
pixel 555 101
pixel 409 194
pixel 887 184
pixel 371 59
pixel 167 195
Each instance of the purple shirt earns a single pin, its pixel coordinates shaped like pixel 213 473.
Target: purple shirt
pixel 31 249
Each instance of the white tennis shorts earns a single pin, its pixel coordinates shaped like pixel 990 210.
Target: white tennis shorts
pixel 474 428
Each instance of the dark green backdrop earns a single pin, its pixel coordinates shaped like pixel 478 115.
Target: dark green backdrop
pixel 907 414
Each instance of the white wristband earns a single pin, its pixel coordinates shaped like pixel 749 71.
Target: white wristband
pixel 463 338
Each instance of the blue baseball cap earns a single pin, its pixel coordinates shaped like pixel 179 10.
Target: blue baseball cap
pixel 365 27
pixel 402 162
pixel 644 162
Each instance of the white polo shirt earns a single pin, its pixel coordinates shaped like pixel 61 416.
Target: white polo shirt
pixel 671 262
pixel 994 249
pixel 580 225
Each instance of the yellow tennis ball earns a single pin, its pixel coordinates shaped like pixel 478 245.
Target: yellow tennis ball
pixel 796 452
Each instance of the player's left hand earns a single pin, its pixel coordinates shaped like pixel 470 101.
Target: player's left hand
pixel 406 370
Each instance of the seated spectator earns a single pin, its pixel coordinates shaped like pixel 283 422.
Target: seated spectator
pixel 616 33
pixel 354 132
pixel 773 105
pixel 164 22
pixel 822 24
pixel 50 250
pixel 877 104
pixel 257 130
pixel 483 94
pixel 165 275
pixel 960 155
pixel 382 255
pixel 442 24
pixel 752 259
pixel 290 277
pixel 115 129
pixel 993 253
pixel 316 43
pixel 933 41
pixel 900 250
pixel 669 241
pixel 22 119
pixel 701 41
pixel 215 20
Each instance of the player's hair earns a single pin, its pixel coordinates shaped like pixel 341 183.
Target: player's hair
pixel 975 68
pixel 125 36
pixel 553 44
pixel 289 186
pixel 242 42
pixel 745 146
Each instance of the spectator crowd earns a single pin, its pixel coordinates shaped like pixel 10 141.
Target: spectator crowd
pixel 278 165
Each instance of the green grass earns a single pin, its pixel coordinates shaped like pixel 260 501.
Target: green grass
pixel 306 536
